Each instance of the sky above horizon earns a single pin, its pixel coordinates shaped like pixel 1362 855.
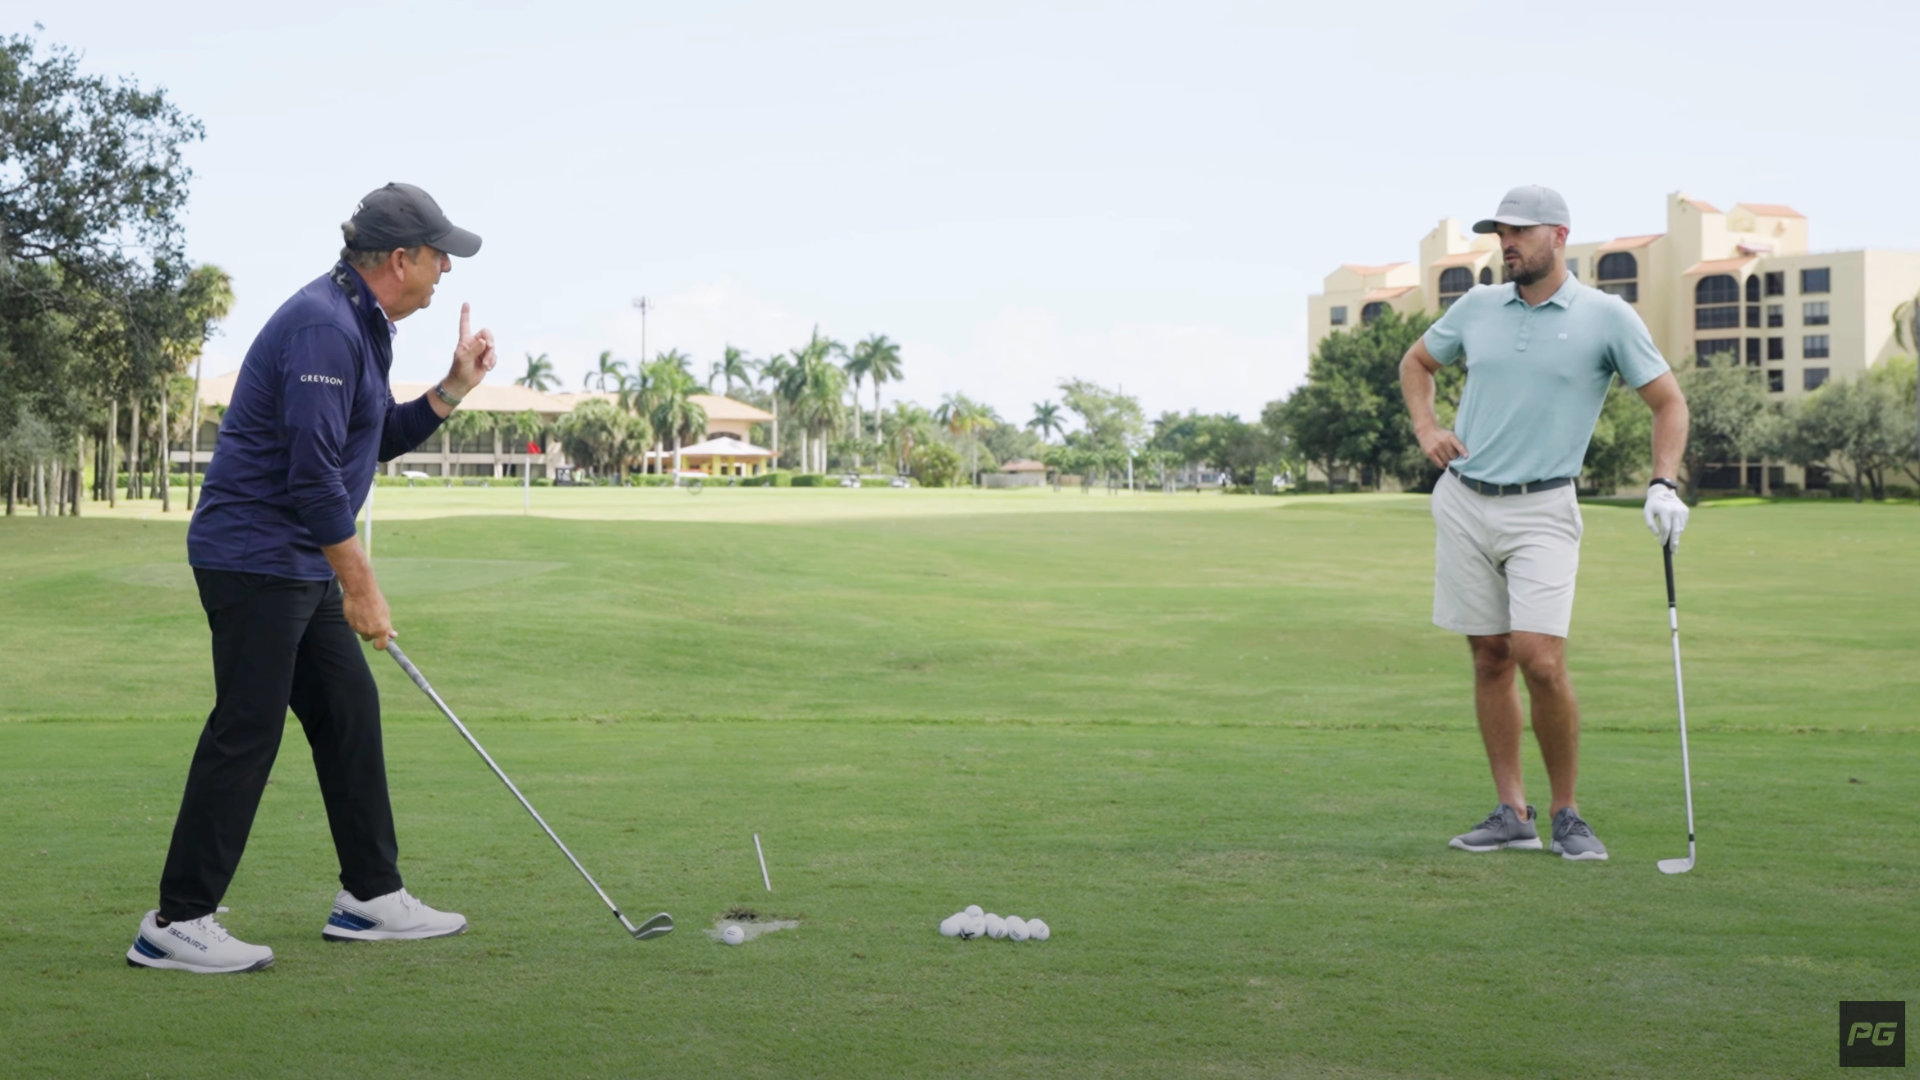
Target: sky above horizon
pixel 1141 195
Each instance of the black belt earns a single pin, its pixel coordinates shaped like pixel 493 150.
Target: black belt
pixel 1510 489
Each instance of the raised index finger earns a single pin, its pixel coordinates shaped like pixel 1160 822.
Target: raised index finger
pixel 466 318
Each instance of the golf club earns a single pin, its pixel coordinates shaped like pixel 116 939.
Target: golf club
pixel 1679 866
pixel 655 927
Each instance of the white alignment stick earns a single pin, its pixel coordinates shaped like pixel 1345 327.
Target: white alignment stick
pixel 763 862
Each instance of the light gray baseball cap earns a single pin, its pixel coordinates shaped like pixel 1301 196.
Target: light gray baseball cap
pixel 1527 205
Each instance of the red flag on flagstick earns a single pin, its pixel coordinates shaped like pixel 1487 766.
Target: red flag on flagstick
pixel 533 448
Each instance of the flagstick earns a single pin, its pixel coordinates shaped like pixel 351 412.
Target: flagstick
pixel 763 862
pixel 526 483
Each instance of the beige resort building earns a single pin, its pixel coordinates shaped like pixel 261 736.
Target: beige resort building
pixel 1740 284
pixel 726 449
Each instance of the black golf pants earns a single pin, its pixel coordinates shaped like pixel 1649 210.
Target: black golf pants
pixel 280 643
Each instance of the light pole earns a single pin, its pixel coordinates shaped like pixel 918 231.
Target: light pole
pixel 642 305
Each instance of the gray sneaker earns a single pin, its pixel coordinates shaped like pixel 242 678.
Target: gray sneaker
pixel 1574 839
pixel 1504 828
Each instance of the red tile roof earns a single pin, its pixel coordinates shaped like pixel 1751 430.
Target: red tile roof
pixel 1720 266
pixel 1628 243
pixel 1770 209
pixel 1387 294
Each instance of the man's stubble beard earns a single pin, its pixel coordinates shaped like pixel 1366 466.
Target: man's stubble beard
pixel 1531 272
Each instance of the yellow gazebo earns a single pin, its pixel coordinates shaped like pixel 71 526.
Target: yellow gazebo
pixel 722 455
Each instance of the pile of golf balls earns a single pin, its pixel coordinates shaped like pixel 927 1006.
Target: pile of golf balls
pixel 975 923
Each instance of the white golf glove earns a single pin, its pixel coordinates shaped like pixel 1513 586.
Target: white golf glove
pixel 1666 515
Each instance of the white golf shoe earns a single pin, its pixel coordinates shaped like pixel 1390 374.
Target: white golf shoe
pixel 199 945
pixel 396 916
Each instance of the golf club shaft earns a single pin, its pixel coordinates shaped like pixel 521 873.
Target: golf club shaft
pixel 1680 696
pixel 420 681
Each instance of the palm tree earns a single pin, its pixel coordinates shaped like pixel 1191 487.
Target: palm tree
pixel 962 415
pixel 672 412
pixel 734 367
pixel 774 370
pixel 906 427
pixel 1046 420
pixel 883 364
pixel 815 386
pixel 609 371
pixel 858 365
pixel 215 301
pixel 540 374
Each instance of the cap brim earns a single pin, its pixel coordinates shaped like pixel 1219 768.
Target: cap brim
pixel 458 242
pixel 1493 224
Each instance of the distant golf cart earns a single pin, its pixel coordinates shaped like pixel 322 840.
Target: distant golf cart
pixel 900 482
pixel 563 476
pixel 414 474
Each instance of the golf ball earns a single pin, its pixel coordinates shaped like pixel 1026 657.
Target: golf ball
pixel 733 935
pixel 975 910
pixel 1016 928
pixel 976 927
pixel 952 925
pixel 996 926
pixel 1038 930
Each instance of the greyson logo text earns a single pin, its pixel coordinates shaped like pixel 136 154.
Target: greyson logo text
pixel 328 379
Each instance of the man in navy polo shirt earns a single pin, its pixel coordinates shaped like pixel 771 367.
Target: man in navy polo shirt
pixel 289 592
pixel 1540 351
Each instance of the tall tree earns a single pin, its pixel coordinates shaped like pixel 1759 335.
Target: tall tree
pixel 608 373
pixel 813 385
pixel 1047 420
pixel 1350 411
pixel 733 367
pixel 964 418
pixel 883 365
pixel 903 429
pixel 210 299
pixel 540 374
pixel 1728 412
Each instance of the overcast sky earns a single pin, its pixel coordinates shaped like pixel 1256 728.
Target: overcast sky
pixel 1142 194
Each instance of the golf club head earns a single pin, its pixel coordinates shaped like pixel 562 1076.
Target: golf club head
pixel 658 926
pixel 1676 866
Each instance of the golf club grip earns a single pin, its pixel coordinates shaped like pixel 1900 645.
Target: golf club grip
pixel 1665 550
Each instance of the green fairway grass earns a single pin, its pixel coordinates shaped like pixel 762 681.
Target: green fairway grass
pixel 1213 741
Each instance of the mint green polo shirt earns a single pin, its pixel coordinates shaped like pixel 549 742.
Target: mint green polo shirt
pixel 1538 376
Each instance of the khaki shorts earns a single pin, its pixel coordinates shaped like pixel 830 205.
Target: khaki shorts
pixel 1504 562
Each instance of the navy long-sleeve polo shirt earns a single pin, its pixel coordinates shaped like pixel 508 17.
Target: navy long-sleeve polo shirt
pixel 311 413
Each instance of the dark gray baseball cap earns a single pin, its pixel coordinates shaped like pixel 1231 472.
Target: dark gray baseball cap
pixel 1530 204
pixel 403 216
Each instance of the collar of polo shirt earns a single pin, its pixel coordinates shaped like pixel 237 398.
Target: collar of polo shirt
pixel 1562 296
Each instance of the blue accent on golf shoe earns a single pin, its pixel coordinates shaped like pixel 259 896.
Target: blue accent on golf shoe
pixel 149 949
pixel 347 920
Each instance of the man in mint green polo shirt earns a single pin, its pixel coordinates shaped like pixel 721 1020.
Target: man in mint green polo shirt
pixel 1540 352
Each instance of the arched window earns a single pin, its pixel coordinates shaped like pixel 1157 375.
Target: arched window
pixel 1619 266
pixel 1372 311
pixel 1618 273
pixel 1753 289
pixel 1718 289
pixel 1454 283
pixel 1486 275
pixel 1716 302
